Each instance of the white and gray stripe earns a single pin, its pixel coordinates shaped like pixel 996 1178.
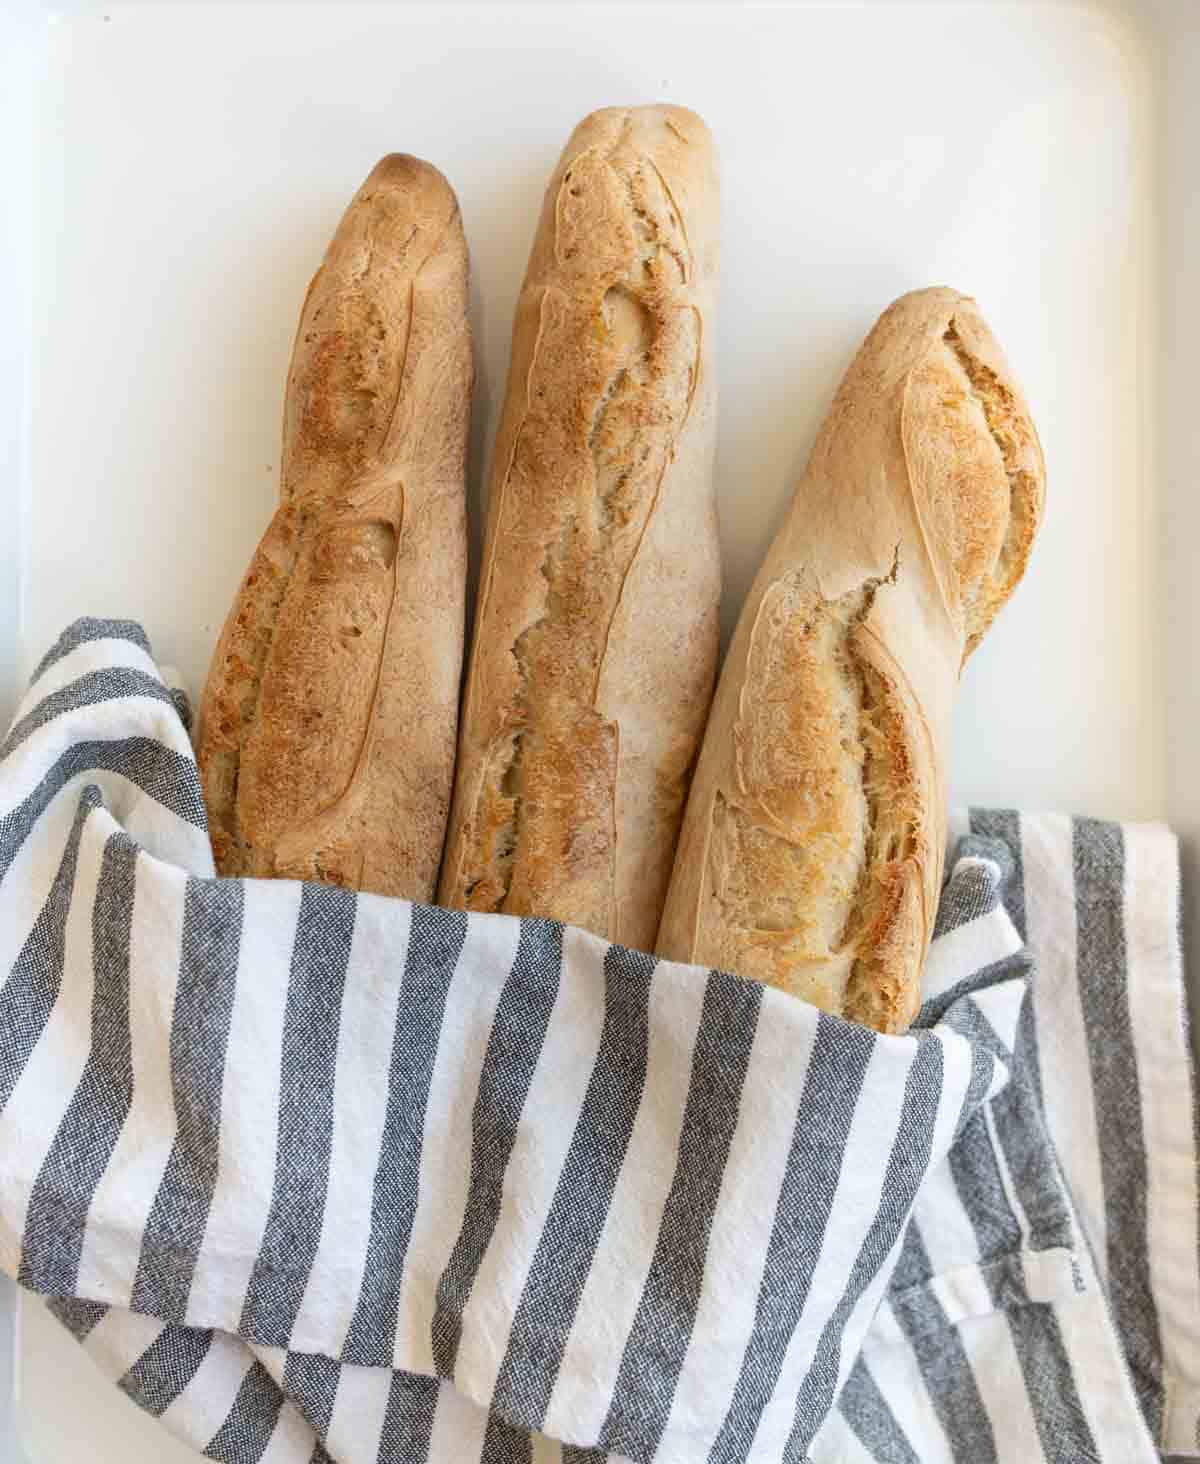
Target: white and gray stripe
pixel 62 1192
pixel 484 1190
pixel 320 956
pixel 435 942
pixel 518 1030
pixel 175 1227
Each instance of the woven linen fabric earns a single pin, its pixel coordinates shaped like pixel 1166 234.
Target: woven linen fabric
pixel 322 1176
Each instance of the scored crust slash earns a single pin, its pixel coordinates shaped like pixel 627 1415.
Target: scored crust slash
pixel 812 847
pixel 596 634
pixel 328 722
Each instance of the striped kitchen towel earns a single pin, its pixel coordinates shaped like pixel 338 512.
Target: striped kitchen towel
pixel 317 1176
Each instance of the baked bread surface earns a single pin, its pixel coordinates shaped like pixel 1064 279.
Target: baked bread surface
pixel 812 847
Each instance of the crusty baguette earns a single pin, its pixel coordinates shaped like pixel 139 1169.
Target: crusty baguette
pixel 596 634
pixel 812 847
pixel 329 717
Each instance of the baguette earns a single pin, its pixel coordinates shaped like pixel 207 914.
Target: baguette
pixel 328 721
pixel 812 847
pixel 596 634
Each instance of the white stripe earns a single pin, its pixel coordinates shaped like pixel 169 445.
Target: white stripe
pixel 610 1297
pixel 864 1311
pixel 359 1410
pixel 1006 1180
pixel 458 1426
pixel 968 949
pixel 197 1414
pixel 140 715
pixel 119 1338
pixel 1001 1005
pixel 946 1227
pixel 962 1292
pixel 869 1142
pixel 366 1034
pixel 1101 1378
pixel 292 1441
pixel 885 1329
pixel 158 830
pixel 556 1093
pixel 743 1220
pixel 121 1205
pixel 956 1079
pixel 486 957
pixel 249 1106
pixel 26 886
pixel 899 1378
pixel 837 1443
pixel 109 653
pixel 1158 1019
pixel 1047 855
pixel 44 1090
pixel 996 1368
pixel 27 882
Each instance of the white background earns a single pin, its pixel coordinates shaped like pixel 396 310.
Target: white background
pixel 192 160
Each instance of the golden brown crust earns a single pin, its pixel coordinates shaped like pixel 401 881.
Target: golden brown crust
pixel 328 721
pixel 596 633
pixel 811 850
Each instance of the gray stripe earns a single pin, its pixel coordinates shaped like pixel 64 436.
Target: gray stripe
pixel 1021 1129
pixel 662 1327
pixel 166 1367
pixel 980 1185
pixel 905 1280
pixel 568 1241
pixel 212 925
pixel 840 1056
pixel 983 1070
pixel 87 628
pixel 79 1317
pixel 1053 1395
pixel 435 943
pixel 28 996
pixel 408 1422
pixel 867 1412
pixel 321 1456
pixel 311 1380
pixel 975 890
pixel 504 1444
pixel 946 1370
pixel 247 1430
pixel 114 683
pixel 1036 1335
pixel 79 1154
pixel 907 1165
pixel 1099 858
pixel 160 773
pixel 970 894
pixel 1005 826
pixel 514 1045
pixel 312 1016
pixel 573 1455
